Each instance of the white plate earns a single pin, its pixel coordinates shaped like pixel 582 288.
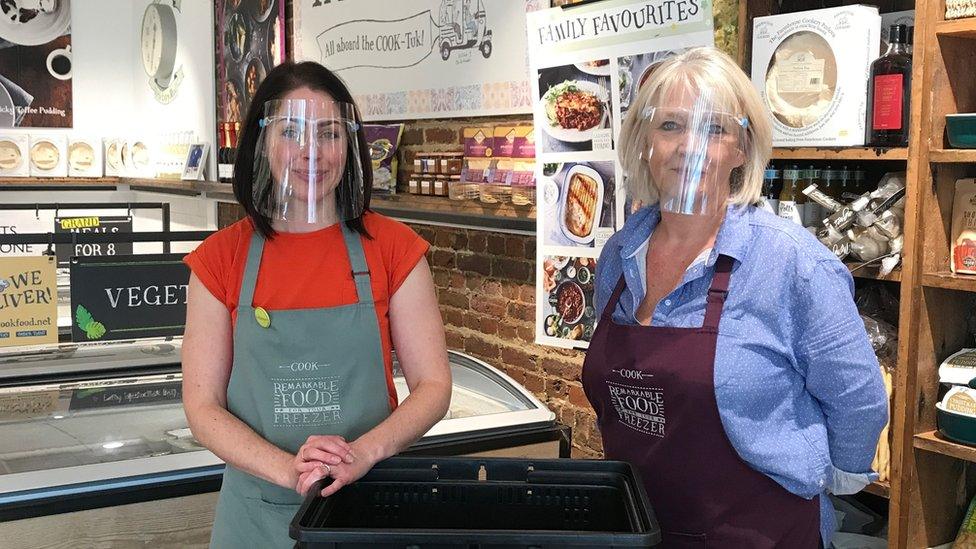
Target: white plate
pixel 39 30
pixel 572 135
pixel 559 263
pixel 597 206
pixel 595 71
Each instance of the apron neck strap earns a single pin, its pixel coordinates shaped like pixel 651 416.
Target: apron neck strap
pixel 614 298
pixel 254 253
pixel 354 249
pixel 718 292
pixel 714 303
pixel 357 259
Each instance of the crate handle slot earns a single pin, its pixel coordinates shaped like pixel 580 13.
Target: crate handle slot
pixel 402 475
pixel 561 477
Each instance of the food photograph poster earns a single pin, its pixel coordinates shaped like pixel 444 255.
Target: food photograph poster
pixel 251 41
pixel 35 65
pixel 586 64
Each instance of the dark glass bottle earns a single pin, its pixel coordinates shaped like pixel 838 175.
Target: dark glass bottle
pixel 222 153
pixel 889 93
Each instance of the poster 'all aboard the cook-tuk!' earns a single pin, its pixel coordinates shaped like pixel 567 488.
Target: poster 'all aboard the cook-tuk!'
pixel 586 64
pixel 422 58
pixel 28 301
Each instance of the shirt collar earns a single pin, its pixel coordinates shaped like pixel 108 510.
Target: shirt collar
pixel 732 240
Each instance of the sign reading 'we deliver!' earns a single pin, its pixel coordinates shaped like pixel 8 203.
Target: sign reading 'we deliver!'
pixel 28 301
pixel 128 297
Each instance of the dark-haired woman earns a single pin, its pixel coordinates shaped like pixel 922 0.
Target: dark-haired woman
pixel 294 311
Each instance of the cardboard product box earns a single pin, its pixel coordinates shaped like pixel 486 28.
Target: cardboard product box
pixel 84 157
pixel 112 155
pixel 48 155
pixel 14 151
pixel 812 69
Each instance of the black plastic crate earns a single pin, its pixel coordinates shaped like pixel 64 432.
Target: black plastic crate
pixel 481 503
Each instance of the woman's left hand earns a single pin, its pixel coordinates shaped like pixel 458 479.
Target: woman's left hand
pixel 342 474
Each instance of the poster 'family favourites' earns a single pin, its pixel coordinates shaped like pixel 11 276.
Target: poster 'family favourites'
pixel 586 64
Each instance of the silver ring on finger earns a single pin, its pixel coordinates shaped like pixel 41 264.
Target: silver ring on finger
pixel 328 469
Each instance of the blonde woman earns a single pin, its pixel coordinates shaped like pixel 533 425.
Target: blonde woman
pixel 730 364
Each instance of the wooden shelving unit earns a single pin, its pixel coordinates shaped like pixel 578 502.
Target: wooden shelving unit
pixel 852 154
pixel 931 479
pixel 871 272
pixel 952 156
pixel 959 28
pixel 932 441
pixel 881 489
pixel 949 281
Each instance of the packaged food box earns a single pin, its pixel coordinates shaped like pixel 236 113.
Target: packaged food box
pixel 812 69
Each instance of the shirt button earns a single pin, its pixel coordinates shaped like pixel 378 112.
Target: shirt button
pixel 667 302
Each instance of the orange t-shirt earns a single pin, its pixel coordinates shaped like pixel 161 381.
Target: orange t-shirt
pixel 305 270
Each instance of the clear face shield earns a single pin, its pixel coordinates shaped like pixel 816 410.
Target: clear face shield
pixel 307 166
pixel 691 149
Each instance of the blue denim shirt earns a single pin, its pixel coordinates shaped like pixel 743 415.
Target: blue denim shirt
pixel 798 386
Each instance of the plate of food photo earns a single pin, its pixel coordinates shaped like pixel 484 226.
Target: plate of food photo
pixel 34 22
pixel 575 109
pixel 597 67
pixel 581 204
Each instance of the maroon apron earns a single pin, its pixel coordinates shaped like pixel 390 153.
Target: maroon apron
pixel 653 391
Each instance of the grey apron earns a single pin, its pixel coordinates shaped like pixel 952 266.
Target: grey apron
pixel 306 372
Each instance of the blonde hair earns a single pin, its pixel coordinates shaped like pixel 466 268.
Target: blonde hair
pixel 704 69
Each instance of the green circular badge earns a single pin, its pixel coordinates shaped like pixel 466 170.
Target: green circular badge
pixel 262 316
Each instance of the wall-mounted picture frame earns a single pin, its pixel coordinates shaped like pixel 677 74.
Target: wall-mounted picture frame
pixel 196 162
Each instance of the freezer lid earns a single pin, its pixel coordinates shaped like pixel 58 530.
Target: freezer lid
pixel 100 430
pixel 483 398
pixel 18 364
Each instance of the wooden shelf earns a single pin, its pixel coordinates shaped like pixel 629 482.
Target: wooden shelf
pixel 949 281
pixel 952 156
pixel 462 213
pixel 871 272
pixel 957 28
pixel 933 441
pixel 846 153
pixel 880 489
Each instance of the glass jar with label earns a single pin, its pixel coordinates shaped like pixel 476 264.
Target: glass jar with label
pixel 441 184
pixel 451 163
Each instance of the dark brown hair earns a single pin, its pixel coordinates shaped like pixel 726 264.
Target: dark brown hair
pixel 282 80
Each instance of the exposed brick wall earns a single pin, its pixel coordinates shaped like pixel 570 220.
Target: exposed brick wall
pixel 486 287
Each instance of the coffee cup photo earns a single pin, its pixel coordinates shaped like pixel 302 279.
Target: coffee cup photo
pixel 59 63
